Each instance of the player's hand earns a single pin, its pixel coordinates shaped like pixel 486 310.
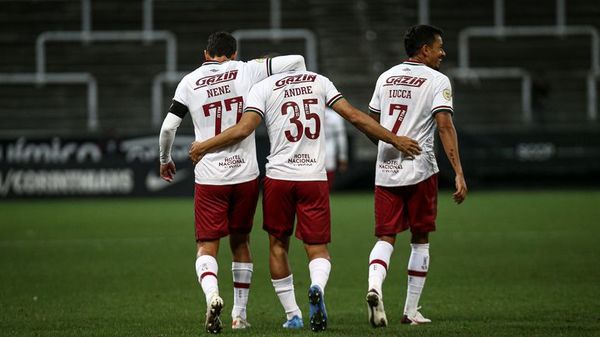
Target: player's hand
pixel 195 153
pixel 408 146
pixel 461 189
pixel 342 166
pixel 167 171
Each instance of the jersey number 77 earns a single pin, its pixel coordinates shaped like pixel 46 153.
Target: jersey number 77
pixel 218 108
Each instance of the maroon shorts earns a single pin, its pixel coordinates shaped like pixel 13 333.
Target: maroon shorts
pixel 308 200
pixel 220 209
pixel 402 207
pixel 330 179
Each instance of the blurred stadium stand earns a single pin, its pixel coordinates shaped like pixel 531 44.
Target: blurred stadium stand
pixel 551 90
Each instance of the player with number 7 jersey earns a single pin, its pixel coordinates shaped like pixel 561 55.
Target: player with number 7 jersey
pixel 293 106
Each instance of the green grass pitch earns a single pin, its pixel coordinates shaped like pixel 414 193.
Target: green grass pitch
pixel 502 264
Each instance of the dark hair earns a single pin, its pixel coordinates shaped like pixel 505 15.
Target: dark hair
pixel 221 44
pixel 419 35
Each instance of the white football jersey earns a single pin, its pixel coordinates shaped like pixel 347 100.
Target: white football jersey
pixel 407 97
pixel 215 94
pixel 293 105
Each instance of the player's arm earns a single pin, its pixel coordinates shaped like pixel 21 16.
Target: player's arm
pixel 373 129
pixel 166 138
pixel 285 63
pixel 262 68
pixel 375 108
pixel 449 140
pixel 342 144
pixel 231 136
pixel 375 117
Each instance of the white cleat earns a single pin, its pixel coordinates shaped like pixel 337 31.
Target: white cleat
pixel 239 323
pixel 213 312
pixel 377 316
pixel 415 319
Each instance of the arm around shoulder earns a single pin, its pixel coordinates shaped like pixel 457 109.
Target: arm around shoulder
pixel 374 130
pixel 231 136
pixel 284 63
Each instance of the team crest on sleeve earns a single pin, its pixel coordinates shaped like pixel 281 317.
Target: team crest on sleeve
pixel 447 93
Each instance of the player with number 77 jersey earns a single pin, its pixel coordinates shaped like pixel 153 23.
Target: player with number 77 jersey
pixel 293 105
pixel 226 189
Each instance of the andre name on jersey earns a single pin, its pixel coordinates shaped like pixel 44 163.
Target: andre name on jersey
pixel 295 79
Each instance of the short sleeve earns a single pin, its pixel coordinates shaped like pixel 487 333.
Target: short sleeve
pixel 259 69
pixel 442 95
pixel 332 95
pixel 256 100
pixel 181 93
pixel 375 103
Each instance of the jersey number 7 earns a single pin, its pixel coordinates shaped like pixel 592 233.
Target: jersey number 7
pixel 398 107
pixel 218 107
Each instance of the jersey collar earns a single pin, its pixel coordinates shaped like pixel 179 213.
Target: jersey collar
pixel 413 63
pixel 212 62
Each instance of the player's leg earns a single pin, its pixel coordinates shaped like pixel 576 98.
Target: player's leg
pixel 314 229
pixel 422 213
pixel 319 268
pixel 207 270
pixel 241 269
pixel 283 280
pixel 278 220
pixel 389 220
pixel 210 204
pixel 241 215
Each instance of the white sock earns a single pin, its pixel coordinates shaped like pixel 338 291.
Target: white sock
pixel 319 272
pixel 207 269
pixel 285 291
pixel 379 261
pixel 418 265
pixel 242 277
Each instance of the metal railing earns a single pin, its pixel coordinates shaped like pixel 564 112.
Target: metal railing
pixel 499 30
pixel 87 35
pixel 63 78
pixel 502 73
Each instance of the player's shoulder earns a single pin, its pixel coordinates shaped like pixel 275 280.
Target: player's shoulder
pixel 390 72
pixel 189 79
pixel 435 74
pixel 192 74
pixel 250 64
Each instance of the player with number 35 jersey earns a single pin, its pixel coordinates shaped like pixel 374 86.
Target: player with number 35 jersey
pixel 293 105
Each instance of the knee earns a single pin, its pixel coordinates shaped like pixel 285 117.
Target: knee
pixel 207 248
pixel 419 238
pixel 316 251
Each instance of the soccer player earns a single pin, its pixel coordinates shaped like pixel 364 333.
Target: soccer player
pixel 293 107
pixel 411 99
pixel 336 145
pixel 226 190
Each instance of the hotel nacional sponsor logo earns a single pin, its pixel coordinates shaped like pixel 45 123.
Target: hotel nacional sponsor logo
pixel 390 166
pixel 232 162
pixel 302 159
